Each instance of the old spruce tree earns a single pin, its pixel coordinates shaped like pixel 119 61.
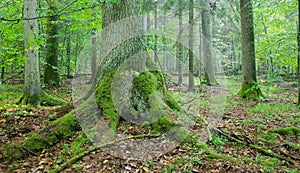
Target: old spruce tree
pixel 250 88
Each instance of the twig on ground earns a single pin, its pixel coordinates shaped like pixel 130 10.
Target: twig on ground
pixel 95 148
pixel 264 151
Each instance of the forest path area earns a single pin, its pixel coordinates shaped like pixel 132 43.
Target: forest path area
pixel 247 136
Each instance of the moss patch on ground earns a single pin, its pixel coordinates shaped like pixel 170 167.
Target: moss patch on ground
pixel 60 129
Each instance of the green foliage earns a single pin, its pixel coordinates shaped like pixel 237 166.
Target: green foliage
pixel 163 124
pixel 250 91
pixel 290 131
pixel 77 145
pixel 276 35
pixel 270 137
pixel 218 142
pixel 273 109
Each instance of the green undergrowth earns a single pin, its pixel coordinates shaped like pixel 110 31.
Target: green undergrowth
pixel 273 108
pixel 289 131
pixel 77 145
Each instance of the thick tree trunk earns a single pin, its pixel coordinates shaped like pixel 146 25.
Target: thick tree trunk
pixel 250 88
pixel 123 49
pixel 51 73
pixel 32 89
pixel 207 48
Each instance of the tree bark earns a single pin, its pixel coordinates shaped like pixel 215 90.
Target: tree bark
pixel 191 46
pixel 207 48
pixel 94 54
pixel 250 88
pixel 180 46
pixel 68 56
pixel 121 47
pixel 51 73
pixel 298 40
pixel 32 89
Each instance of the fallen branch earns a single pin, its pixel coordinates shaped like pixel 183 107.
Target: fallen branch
pixel 289 155
pixel 261 150
pixel 95 148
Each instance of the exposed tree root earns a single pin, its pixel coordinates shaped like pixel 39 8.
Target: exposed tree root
pixel 95 148
pixel 261 150
pixel 60 129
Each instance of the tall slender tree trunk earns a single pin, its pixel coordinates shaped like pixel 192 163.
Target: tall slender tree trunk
pixel 2 68
pixel 68 56
pixel 180 46
pixel 207 47
pixel 51 73
pixel 191 46
pixel 32 89
pixel 155 36
pixel 298 39
pixel 249 87
pixel 94 53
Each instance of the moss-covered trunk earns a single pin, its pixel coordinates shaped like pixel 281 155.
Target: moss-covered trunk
pixel 51 73
pixel 250 88
pixel 60 129
pixel 129 83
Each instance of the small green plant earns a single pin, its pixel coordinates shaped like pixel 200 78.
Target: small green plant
pixel 270 138
pixel 218 142
pixel 273 109
pixel 50 118
pixel 78 167
pixel 170 168
pixel 13 168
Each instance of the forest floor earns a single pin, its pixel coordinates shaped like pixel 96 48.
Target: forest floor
pixel 248 136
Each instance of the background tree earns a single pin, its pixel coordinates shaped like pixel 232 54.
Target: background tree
pixel 180 46
pixel 250 87
pixel 191 46
pixel 298 52
pixel 207 45
pixel 32 89
pixel 51 73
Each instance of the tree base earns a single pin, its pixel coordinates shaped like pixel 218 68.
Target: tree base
pixel 43 99
pixel 250 91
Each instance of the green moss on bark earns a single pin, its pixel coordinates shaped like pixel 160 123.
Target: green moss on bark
pixel 60 129
pixel 250 91
pixel 28 99
pixel 149 97
pixel 105 102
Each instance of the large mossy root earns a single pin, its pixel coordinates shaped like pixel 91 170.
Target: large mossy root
pixel 42 99
pixel 147 94
pixel 60 129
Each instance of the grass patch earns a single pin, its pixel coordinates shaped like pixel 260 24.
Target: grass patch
pixel 273 108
